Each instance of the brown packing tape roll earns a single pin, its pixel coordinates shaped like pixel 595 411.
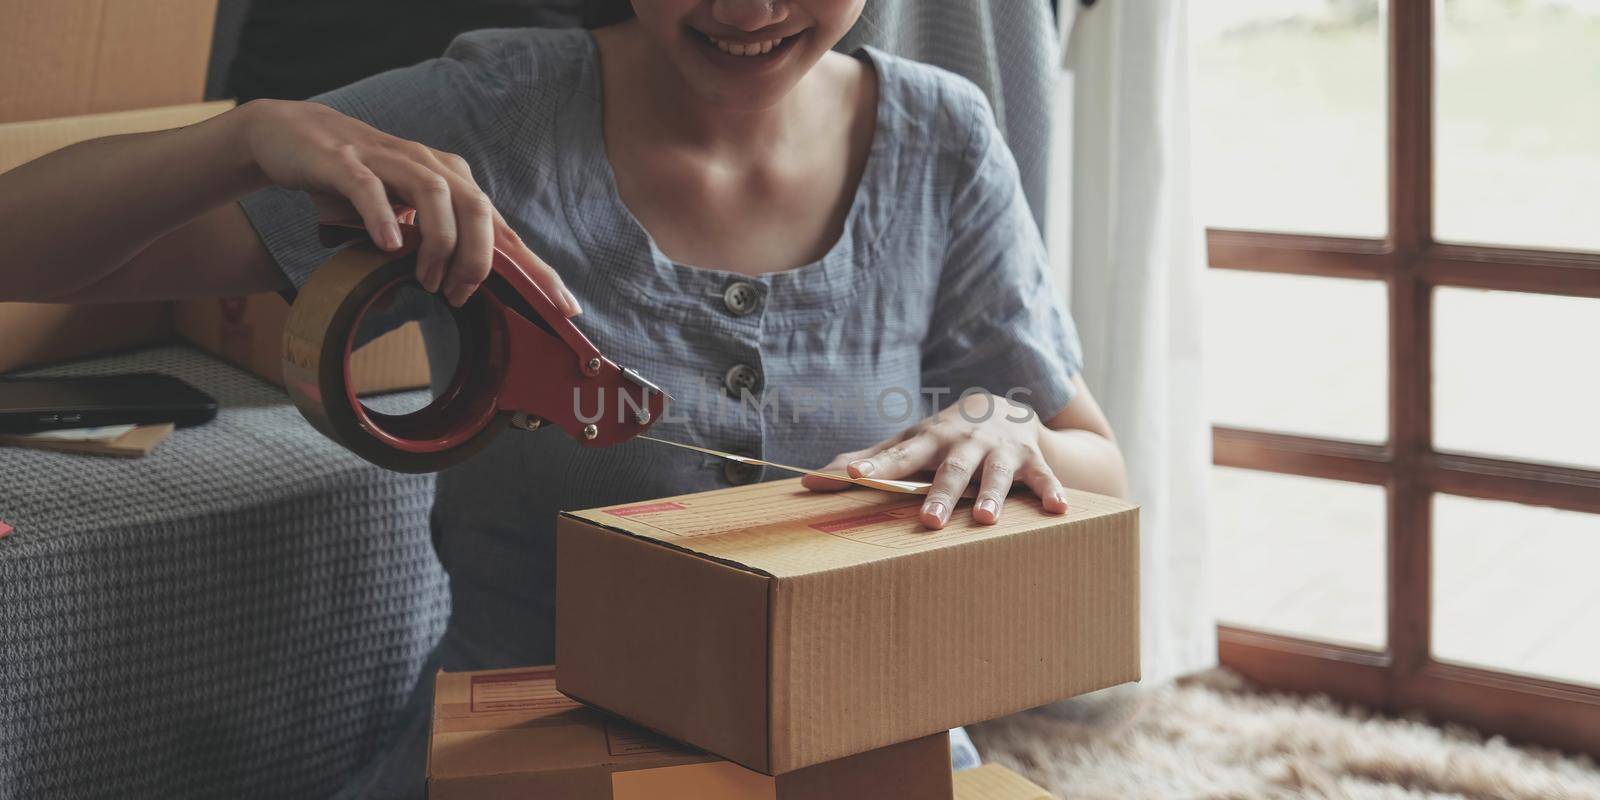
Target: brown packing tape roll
pixel 315 353
pixel 519 359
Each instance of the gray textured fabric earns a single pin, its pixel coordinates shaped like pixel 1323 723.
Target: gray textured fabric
pixel 240 614
pixel 1006 47
pixel 938 280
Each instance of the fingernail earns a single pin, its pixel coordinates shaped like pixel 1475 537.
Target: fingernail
pixel 572 303
pixel 989 505
pixel 935 509
pixel 391 237
pixel 1061 497
pixel 864 467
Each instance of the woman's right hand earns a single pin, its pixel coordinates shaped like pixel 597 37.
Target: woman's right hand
pixel 357 173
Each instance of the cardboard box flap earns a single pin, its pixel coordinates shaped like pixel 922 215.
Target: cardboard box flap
pixel 783 530
pixel 508 721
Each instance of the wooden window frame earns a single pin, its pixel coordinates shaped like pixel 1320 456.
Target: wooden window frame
pixel 1405 676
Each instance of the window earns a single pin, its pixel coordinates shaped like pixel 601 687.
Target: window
pixel 1405 310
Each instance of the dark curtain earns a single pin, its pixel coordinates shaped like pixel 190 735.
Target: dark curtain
pixel 293 49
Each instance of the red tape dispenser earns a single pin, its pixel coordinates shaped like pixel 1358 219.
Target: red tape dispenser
pixel 522 364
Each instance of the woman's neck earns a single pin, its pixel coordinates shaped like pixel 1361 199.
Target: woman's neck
pixel 746 191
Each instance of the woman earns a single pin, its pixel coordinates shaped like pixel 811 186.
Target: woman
pixel 724 200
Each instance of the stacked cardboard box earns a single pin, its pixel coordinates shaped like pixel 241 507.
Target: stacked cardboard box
pixel 67 58
pixel 994 782
pixel 790 632
pixel 509 733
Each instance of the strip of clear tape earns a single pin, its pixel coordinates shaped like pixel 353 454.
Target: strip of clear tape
pixel 898 487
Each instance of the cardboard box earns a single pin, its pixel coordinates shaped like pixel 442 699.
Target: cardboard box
pixel 21 142
pixel 781 628
pixel 994 782
pixel 510 734
pixel 38 333
pixel 34 333
pixel 60 58
pixel 248 332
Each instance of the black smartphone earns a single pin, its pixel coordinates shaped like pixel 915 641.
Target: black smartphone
pixel 30 405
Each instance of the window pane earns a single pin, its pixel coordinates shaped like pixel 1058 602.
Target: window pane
pixel 1517 375
pixel 1514 588
pixel 1299 555
pixel 1517 134
pixel 1289 115
pixel 1297 354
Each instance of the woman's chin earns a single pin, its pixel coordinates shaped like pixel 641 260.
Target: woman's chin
pixel 744 83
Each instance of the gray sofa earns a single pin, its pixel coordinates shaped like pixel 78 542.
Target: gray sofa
pixel 239 614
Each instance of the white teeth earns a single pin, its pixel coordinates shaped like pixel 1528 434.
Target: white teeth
pixel 753 49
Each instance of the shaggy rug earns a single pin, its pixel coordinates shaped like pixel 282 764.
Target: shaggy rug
pixel 1213 736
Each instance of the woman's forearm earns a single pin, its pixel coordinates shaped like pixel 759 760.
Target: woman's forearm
pixel 1085 460
pixel 74 216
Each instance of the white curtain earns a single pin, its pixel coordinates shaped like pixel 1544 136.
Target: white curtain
pixel 1131 254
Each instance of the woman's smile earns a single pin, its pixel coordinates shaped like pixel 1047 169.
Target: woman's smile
pixel 746 53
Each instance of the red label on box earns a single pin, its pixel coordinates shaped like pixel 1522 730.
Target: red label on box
pixel 645 508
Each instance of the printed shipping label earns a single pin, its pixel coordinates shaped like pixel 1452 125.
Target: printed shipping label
pixel 533 690
pixel 623 739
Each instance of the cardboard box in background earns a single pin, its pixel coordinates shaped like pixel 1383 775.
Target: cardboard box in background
pixel 248 332
pixel 509 734
pixel 21 142
pixel 33 333
pixel 781 628
pixel 994 782
pixel 61 58
pixel 36 333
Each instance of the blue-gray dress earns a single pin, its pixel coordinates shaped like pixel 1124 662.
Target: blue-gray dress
pixel 937 285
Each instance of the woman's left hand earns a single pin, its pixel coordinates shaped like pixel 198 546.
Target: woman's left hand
pixel 980 436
